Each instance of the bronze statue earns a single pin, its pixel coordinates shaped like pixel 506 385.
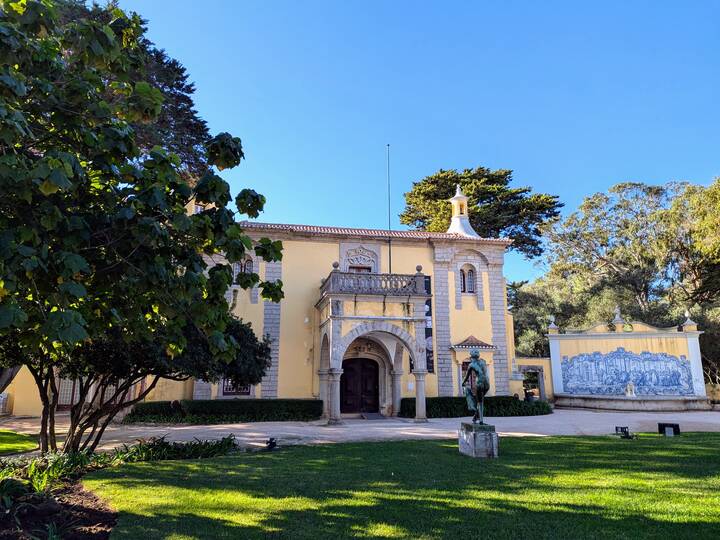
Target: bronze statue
pixel 475 402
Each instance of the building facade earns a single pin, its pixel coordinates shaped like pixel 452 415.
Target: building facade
pixel 369 316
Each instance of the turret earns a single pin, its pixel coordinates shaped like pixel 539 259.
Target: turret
pixel 460 222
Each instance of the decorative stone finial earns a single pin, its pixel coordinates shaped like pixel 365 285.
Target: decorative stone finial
pixel 460 222
pixel 552 327
pixel 336 265
pixel 689 325
pixel 418 268
pixel 618 321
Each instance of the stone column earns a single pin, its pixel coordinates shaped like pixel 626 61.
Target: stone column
pixel 396 390
pixel 334 417
pixel 323 376
pixel 271 327
pixel 498 309
pixel 201 389
pixel 420 414
pixel 441 330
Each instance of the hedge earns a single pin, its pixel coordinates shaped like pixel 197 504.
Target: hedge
pixel 455 407
pixel 218 411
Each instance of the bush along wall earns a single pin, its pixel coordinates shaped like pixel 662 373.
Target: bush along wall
pixel 456 407
pixel 220 411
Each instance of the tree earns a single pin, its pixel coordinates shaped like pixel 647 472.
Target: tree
pixel 94 233
pixel 114 373
pixel 177 128
pixel 616 234
pixel 495 208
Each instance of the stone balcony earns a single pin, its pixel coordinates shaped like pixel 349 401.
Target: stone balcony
pixel 354 283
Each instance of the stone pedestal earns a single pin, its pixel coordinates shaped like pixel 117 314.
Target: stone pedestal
pixel 478 440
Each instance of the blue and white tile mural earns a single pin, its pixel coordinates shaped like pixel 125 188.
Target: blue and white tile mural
pixel 653 374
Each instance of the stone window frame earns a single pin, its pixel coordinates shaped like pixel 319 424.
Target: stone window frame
pixel 360 254
pixel 466 266
pixel 242 266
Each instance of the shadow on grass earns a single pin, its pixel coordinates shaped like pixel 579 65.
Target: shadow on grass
pixel 560 487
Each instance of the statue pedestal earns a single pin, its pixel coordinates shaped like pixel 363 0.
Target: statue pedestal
pixel 478 440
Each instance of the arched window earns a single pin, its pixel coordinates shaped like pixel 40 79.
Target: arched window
pixel 471 280
pixel 237 269
pixel 242 268
pixel 463 281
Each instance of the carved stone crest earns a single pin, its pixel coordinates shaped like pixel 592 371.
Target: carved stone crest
pixel 361 256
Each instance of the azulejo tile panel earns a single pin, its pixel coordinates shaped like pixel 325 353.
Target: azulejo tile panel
pixel 653 374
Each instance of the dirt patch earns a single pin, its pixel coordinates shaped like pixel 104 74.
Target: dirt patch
pixel 72 513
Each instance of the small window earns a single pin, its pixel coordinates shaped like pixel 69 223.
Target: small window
pixel 229 389
pixel 471 281
pixel 463 281
pixel 360 269
pixel 242 268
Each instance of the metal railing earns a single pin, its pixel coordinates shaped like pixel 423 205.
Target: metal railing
pixel 380 284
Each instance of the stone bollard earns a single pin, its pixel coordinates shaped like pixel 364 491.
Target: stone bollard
pixel 478 440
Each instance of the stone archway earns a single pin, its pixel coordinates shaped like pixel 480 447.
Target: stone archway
pixel 417 352
pixel 540 375
pixel 368 362
pixel 381 333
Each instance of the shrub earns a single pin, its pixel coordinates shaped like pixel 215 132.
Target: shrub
pixel 152 408
pixel 158 448
pixel 11 489
pixel 215 411
pixel 455 407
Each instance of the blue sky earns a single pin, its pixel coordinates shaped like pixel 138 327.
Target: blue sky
pixel 573 96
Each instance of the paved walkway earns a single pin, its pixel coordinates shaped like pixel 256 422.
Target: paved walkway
pixel 561 422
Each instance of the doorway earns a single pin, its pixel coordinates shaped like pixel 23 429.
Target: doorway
pixel 359 388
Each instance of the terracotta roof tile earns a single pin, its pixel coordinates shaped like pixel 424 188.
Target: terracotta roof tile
pixel 471 342
pixel 367 233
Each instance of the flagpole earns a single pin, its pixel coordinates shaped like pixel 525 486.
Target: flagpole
pixel 389 222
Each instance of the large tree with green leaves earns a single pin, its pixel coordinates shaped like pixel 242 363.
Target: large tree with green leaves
pixel 495 208
pixel 95 239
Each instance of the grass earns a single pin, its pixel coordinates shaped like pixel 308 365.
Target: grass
pixel 554 487
pixel 12 443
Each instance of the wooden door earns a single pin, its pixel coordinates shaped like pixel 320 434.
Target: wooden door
pixel 359 386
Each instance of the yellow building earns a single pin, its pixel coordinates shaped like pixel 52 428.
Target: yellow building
pixel 369 316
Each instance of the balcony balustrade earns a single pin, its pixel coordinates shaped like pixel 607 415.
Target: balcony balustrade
pixel 374 284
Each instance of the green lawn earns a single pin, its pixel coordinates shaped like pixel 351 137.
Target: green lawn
pixel 556 487
pixel 11 442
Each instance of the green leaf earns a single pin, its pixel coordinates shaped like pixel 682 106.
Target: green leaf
pixel 272 290
pixel 212 189
pixel 74 263
pixel 73 288
pixel 11 315
pixel 66 326
pixel 250 202
pixel 48 188
pixel 269 250
pixel 224 151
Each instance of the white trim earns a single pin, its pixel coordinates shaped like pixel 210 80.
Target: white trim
pixel 695 359
pixel 621 335
pixel 555 369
